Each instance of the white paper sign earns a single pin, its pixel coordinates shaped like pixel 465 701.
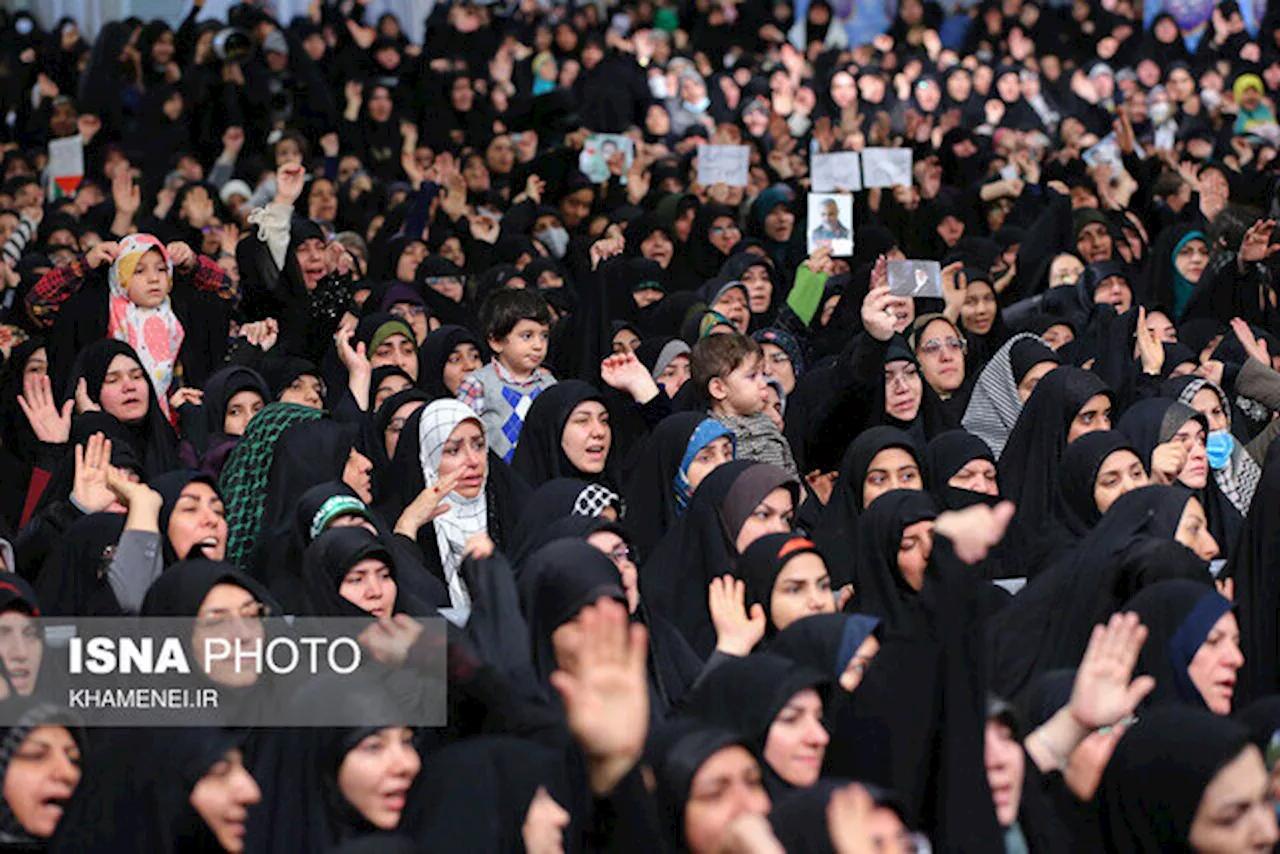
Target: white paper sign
pixel 831 223
pixel 594 159
pixel 886 167
pixel 723 164
pixel 838 171
pixel 66 166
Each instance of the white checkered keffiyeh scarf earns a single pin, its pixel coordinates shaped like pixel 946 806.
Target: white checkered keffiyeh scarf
pixel 466 516
pixel 1239 480
pixel 595 499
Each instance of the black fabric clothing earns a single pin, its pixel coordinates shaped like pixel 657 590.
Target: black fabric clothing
pixel 825 642
pixel 1150 794
pixel 1256 588
pixel 1179 615
pixel 945 456
pixel 702 546
pixel 539 456
pixel 761 564
pixel 838 530
pixel 328 559
pixel 650 487
pixel 434 354
pixel 880 589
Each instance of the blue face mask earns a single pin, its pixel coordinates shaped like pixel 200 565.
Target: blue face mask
pixel 1219 447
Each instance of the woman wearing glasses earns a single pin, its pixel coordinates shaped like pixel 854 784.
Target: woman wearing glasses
pixel 940 348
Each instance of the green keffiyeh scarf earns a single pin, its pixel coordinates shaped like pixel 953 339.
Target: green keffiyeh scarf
pixel 243 484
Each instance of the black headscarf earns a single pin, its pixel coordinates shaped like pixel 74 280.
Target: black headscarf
pixel 561 579
pixel 1153 783
pixel 218 391
pixel 1029 465
pixel 135 794
pixel 676 750
pixel 16 434
pixel 701 546
pixel 946 455
pixel 1049 627
pixel 555 500
pixel 434 354
pixel 326 563
pixel 74 580
pixel 825 642
pixel 153 438
pixel 746 694
pixel 837 532
pixel 306 455
pixel 880 589
pixel 182 588
pixel 1178 614
pixel 1150 423
pixel 762 563
pixel 170 486
pixel 29 715
pixel 540 456
pixel 650 488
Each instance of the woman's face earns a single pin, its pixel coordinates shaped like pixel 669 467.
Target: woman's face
pixel 1094 415
pixel 376 774
pixel 1006 766
pixel 844 91
pixel 892 468
pixel 724 234
pixel 464 359
pixel 576 207
pixel 380 105
pixel 476 174
pixel 1056 336
pixel 977 475
pixel 1114 291
pixel 853 672
pixel 391 436
pixel 198 519
pixel 21 650
pixel 903 390
pixel 803 587
pixel 656 121
pixel 779 223
pixel 306 390
pixel 357 474
pixel 759 288
pixel 913 552
pixel 674 375
pixel 978 313
pixel 370 586
pixel 777 364
pixel 1235 812
pixel 940 351
pixel 771 516
pixel 322 201
pixel 242 406
pixel 658 247
pixel 1213 668
pixel 228 613
pixel 709 458
pixel 736 306
pixel 1208 404
pixel 1195 471
pixel 727 785
pixel 1193 531
pixel 37 363
pixel 465 453
pixel 1191 260
pixel 1032 378
pixel 43 774
pixel 587 436
pixel 625 341
pixel 1119 473
pixel 797 740
pixel 959 86
pixel 162 49
pixel 410 258
pixel 223 796
pixel 620 553
pixel 390 385
pixel 399 351
pixel 124 390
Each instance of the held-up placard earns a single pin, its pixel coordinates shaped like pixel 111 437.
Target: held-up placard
pixel 839 171
pixel 723 164
pixel 831 223
pixel 914 278
pixel 886 167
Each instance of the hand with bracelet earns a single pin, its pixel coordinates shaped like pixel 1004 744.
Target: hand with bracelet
pixel 1104 694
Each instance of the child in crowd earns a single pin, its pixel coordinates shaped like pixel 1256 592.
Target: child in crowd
pixel 728 370
pixel 516 324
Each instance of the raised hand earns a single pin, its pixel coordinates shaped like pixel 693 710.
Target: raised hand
pixel 390 638
pixel 182 255
pixel 84 403
pixel 974 530
pixel 849 820
pixel 232 142
pixel 625 372
pixel 93 462
pixel 290 179
pixel 1150 350
pixel 354 359
pixel 479 547
pixel 605 691
pixel 878 317
pixel 104 253
pixel 1167 461
pixel 427 506
pixel 737 632
pixel 50 424
pixel 1103 693
pixel 606 248
pixel 1256 245
pixel 954 283
pixel 484 228
pixel 261 333
pixel 1255 347
pixel 544 825
pixel 130 493
pixel 185 395
pixel 126 195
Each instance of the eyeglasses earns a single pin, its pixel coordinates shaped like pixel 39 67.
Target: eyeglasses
pixel 408 310
pixel 396 425
pixel 935 345
pixel 779 358
pixel 621 553
pixel 724 229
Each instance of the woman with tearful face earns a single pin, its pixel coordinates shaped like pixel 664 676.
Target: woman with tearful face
pixel 1181 779
pixel 41 768
pixel 443 446
pixel 777 706
pixel 734 506
pixel 680 452
pixel 1170 439
pixel 186 793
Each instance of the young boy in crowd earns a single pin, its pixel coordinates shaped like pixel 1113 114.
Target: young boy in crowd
pixel 728 369
pixel 516 324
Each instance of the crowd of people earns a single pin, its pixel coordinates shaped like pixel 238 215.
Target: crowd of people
pixel 738 547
